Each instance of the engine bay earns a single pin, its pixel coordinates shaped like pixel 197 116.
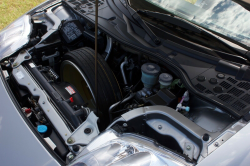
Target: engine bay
pixel 53 80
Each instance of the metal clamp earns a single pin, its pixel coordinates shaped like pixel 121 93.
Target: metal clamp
pixel 85 132
pixel 22 56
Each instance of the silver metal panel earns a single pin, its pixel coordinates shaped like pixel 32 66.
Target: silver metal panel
pixel 235 151
pixel 24 79
pixel 168 112
pixel 226 135
pixel 195 131
pixel 18 145
pixel 164 128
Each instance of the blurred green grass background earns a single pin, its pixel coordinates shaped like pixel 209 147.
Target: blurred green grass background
pixel 10 10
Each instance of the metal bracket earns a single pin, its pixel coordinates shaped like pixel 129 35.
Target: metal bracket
pixel 189 150
pixel 22 56
pixel 85 132
pixel 24 79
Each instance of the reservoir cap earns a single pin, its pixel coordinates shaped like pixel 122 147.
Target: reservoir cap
pixel 166 78
pixel 151 69
pixel 42 128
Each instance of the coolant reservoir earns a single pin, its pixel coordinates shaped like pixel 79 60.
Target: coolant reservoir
pixel 150 73
pixel 165 80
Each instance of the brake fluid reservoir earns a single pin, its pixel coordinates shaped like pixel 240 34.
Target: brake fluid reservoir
pixel 150 73
pixel 165 80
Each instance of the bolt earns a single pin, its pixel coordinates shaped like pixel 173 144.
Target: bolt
pixel 188 147
pixel 160 127
pixel 6 62
pixel 27 57
pixel 34 89
pixel 125 125
pixel 205 137
pixel 70 140
pixel 22 52
pixel 71 157
pixel 87 131
pixel 216 144
pixel 157 41
pixel 43 102
pixel 15 64
pixel 75 148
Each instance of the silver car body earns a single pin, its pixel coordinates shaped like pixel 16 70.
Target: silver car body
pixel 20 146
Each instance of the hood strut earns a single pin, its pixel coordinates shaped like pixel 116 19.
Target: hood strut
pixel 96 55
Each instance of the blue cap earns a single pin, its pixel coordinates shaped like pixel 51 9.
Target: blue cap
pixel 187 109
pixel 42 128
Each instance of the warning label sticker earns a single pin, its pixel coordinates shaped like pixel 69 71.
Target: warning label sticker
pixel 70 90
pixel 32 65
pixel 20 75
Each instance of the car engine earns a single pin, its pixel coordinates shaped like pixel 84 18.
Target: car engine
pixel 143 109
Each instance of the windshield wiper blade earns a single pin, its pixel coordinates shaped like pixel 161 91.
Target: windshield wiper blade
pixel 170 19
pixel 195 28
pixel 143 25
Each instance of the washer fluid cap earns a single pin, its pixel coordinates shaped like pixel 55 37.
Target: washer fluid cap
pixel 165 77
pixel 150 69
pixel 42 128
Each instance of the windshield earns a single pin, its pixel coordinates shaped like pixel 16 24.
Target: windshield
pixel 223 16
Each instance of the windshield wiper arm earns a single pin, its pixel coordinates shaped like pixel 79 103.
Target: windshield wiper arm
pixel 170 19
pixel 143 25
pixel 194 28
